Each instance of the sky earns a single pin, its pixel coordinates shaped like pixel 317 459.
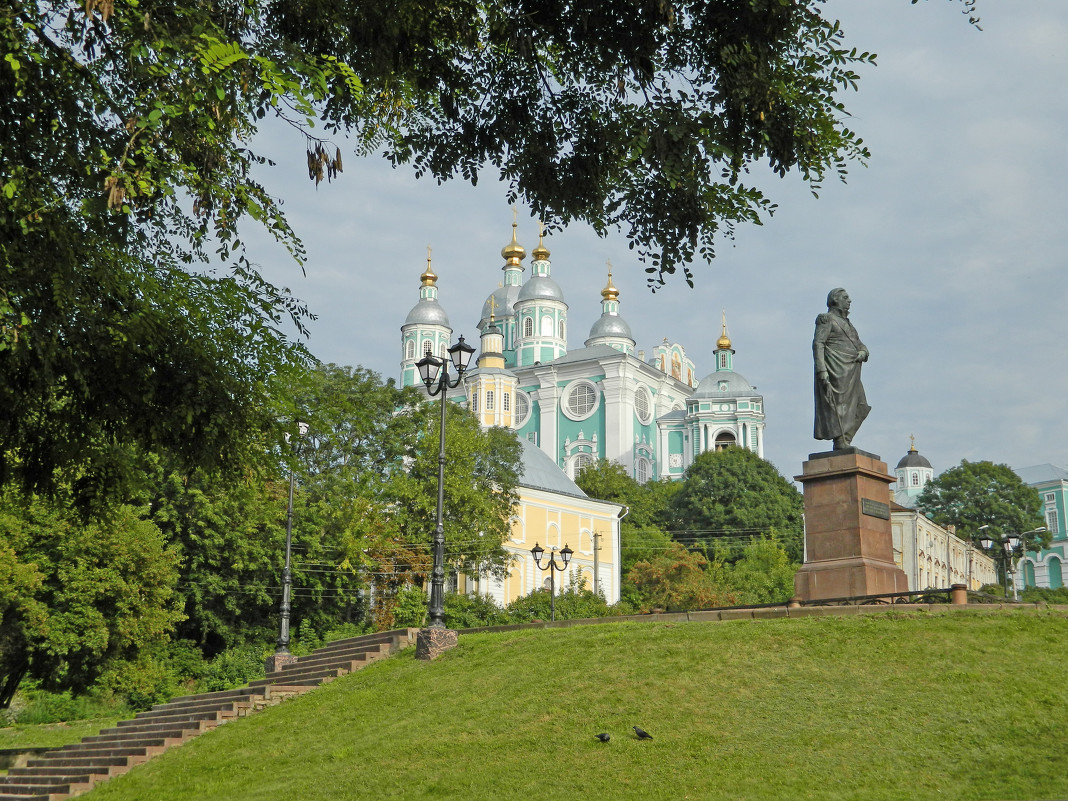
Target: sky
pixel 951 243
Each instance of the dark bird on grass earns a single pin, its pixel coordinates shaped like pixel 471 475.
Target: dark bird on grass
pixel 642 734
pixel 604 737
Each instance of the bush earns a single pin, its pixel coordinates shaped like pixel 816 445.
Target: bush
pixel 574 603
pixel 32 706
pixel 1045 595
pixel 473 611
pixel 235 667
pixel 410 607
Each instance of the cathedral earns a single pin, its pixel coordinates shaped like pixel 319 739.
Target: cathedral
pixel 605 400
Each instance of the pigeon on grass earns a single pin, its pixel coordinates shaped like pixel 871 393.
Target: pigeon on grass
pixel 604 737
pixel 642 734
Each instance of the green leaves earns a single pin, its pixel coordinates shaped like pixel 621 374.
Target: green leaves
pixel 975 494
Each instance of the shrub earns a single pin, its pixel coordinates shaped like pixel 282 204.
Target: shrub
pixel 472 611
pixel 235 667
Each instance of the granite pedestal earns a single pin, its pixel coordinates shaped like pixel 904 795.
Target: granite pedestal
pixel 848 539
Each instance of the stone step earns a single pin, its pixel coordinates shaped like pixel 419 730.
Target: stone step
pixel 341 655
pixel 402 637
pixel 103 750
pixel 35 787
pixel 89 744
pixel 92 764
pixel 217 715
pixel 66 774
pixel 193 708
pixel 219 695
pixel 295 677
pixel 146 729
pixel 344 662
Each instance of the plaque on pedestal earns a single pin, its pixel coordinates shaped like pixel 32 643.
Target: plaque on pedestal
pixel 848 540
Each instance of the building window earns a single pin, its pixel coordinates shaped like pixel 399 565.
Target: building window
pixel 915 479
pixel 643 405
pixel 489 400
pixel 506 402
pixel 1052 522
pixel 528 327
pixel 581 400
pixel 522 409
pixel 443 350
pixel 409 350
pixel 428 347
pixel 1051 497
pixel 580 461
pixel 474 401
pixel 562 330
pixel 723 360
pixel 641 471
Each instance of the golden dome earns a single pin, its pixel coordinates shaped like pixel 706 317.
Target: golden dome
pixel 610 292
pixel 540 253
pixel 724 341
pixel 513 252
pixel 428 277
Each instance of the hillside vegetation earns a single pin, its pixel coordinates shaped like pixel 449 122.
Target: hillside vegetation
pixel 968 705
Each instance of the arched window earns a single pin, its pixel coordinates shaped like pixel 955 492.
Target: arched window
pixel 409 349
pixel 725 440
pixel 428 347
pixel 579 461
pixel 915 479
pixel 443 351
pixel 641 471
pixel 489 400
pixel 528 327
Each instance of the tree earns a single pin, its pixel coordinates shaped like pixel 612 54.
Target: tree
pixel 640 532
pixel 764 574
pixel 83 596
pixel 126 165
pixel 975 494
pixel 731 494
pixel 679 579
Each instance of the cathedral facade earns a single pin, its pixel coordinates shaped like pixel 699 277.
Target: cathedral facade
pixel 604 400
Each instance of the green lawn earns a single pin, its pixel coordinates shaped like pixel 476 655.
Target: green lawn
pixel 890 706
pixel 47 734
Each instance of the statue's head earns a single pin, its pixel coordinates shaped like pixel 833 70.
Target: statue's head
pixel 835 297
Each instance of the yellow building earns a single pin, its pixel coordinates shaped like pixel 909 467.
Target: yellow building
pixel 935 557
pixel 553 512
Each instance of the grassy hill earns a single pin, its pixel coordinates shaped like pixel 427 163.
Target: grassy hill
pixel 966 705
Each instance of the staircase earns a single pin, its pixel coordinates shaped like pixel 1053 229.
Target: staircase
pixel 74 769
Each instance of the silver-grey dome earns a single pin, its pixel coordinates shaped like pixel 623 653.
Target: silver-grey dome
pixel 541 287
pixel 610 325
pixel 427 312
pixel 735 385
pixel 504 297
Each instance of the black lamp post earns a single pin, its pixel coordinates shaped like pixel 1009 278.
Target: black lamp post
pixel 287 571
pixel 1010 547
pixel 435 374
pixel 537 551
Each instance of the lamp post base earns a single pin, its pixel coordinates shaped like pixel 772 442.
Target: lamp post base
pixel 276 662
pixel 431 643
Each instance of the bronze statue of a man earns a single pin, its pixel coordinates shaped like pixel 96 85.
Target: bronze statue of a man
pixel 838 354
